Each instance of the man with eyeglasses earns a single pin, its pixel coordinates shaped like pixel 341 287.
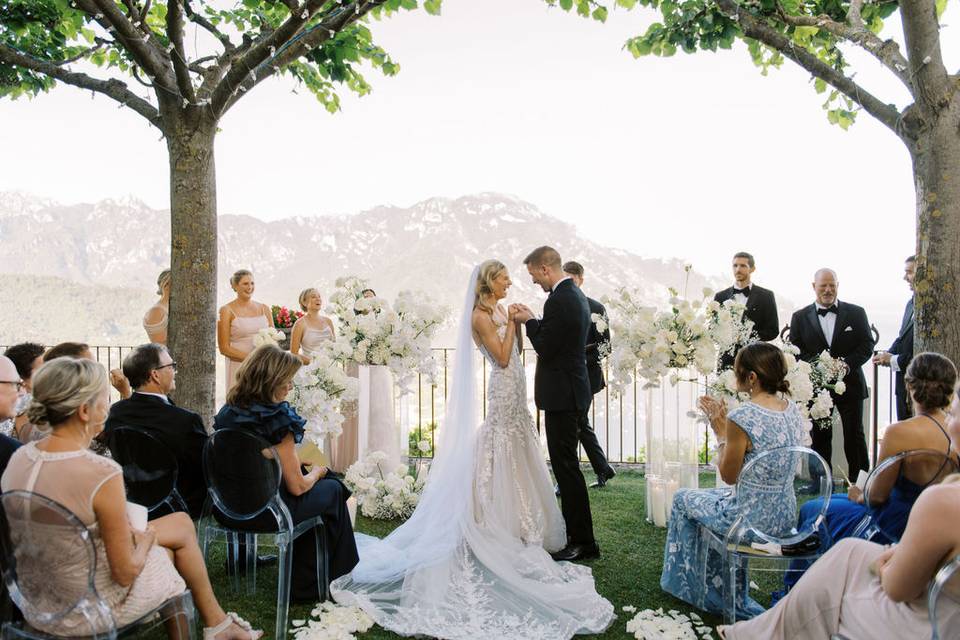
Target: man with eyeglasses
pixel 10 384
pixel 152 374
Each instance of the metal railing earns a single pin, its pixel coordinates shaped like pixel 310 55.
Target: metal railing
pixel 617 420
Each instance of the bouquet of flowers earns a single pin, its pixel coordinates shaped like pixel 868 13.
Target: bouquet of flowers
pixel 373 333
pixel 267 334
pixel 729 328
pixel 283 318
pixel 656 342
pixel 380 494
pixel 321 390
pixel 826 375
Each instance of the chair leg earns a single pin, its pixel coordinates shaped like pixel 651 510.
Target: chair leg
pixel 285 571
pixel 323 564
pixel 250 540
pixel 730 593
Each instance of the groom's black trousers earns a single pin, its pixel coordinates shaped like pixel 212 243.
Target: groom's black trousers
pixel 562 439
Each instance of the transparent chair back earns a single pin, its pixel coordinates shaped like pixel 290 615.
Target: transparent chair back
pixel 150 469
pixel 945 587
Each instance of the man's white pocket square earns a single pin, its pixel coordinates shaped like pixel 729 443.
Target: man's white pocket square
pixel 848 329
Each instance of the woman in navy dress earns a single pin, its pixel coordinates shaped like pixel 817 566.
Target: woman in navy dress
pixel 767 421
pixel 258 403
pixel 930 379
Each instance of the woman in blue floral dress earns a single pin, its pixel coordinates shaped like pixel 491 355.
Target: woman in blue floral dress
pixel 767 421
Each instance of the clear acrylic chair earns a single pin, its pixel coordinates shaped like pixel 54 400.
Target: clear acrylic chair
pixel 150 469
pixel 946 584
pixel 243 477
pixel 770 490
pixel 40 538
pixel 927 465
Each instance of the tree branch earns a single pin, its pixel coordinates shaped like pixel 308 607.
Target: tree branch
pixel 205 24
pixel 177 55
pixel 886 51
pixel 112 88
pixel 752 27
pixel 921 31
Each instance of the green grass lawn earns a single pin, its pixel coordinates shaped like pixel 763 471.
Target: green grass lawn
pixel 627 573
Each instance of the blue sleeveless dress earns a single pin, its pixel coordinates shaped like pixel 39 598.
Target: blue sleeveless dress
pixel 716 509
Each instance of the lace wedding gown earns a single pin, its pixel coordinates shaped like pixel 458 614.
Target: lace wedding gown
pixel 482 571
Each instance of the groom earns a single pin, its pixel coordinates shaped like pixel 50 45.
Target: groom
pixel 562 390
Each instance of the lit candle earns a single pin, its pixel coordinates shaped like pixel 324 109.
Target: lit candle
pixel 657 505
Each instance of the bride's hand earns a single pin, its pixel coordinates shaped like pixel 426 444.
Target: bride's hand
pixel 512 312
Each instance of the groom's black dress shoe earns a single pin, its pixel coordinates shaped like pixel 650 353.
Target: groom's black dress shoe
pixel 603 479
pixel 577 551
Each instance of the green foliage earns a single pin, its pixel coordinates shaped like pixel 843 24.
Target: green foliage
pixel 425 432
pixel 700 25
pixel 54 31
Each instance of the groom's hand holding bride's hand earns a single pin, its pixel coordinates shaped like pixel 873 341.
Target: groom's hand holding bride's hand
pixel 520 312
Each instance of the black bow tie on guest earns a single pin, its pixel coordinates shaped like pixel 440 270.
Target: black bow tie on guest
pixel 745 291
pixel 831 309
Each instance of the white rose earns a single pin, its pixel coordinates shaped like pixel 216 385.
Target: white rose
pixel 839 388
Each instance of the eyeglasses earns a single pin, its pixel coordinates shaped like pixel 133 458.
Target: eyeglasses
pixel 172 365
pixel 18 384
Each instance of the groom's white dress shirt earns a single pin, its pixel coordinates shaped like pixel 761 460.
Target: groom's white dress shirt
pixel 557 284
pixel 827 323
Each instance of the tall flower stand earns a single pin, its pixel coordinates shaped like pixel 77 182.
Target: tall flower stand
pixel 671 440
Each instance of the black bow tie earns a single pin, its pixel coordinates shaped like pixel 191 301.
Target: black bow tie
pixel 831 309
pixel 745 291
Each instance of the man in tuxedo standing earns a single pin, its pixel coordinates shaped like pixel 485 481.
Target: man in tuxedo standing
pixel 900 353
pixel 562 390
pixel 842 329
pixel 597 341
pixel 760 303
pixel 152 372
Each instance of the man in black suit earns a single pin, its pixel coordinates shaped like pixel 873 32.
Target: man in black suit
pixel 842 329
pixel 598 344
pixel 760 303
pixel 900 353
pixel 562 390
pixel 152 372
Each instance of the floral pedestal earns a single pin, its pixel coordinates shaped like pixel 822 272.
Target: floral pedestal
pixel 671 444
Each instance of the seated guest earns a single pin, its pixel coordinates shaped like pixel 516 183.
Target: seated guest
pixel 257 403
pixel 81 350
pixel 152 372
pixel 9 382
pixel 860 589
pixel 766 421
pixel 27 357
pixel 136 571
pixel 930 379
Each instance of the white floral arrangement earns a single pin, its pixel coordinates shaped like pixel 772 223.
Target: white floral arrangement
pixel 380 494
pixel 374 333
pixel 330 621
pixel 729 328
pixel 321 395
pixel 267 335
pixel 826 375
pixel 658 624
pixel 653 343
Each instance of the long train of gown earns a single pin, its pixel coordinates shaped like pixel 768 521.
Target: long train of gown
pixel 498 581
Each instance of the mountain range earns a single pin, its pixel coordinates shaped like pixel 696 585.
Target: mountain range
pixel 88 271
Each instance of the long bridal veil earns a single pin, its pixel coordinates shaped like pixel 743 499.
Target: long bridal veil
pixel 457 571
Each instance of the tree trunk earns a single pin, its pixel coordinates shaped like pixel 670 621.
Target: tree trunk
pixel 936 170
pixel 193 259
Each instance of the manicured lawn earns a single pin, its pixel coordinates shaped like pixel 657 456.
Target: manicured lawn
pixel 628 573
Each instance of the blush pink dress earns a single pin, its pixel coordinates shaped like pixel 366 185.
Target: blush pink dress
pixel 242 330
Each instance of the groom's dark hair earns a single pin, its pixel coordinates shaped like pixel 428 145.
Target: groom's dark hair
pixel 543 257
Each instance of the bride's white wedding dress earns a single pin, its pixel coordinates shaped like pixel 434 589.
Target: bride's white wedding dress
pixel 473 561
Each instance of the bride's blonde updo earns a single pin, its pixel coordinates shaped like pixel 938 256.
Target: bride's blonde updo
pixel 488 272
pixel 61 386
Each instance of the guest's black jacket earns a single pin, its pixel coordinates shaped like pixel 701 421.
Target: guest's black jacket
pixel 560 340
pixel 761 309
pixel 903 348
pixel 595 340
pixel 180 430
pixel 852 341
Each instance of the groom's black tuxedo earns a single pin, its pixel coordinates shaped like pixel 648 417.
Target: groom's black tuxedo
pixel 562 391
pixel 851 341
pixel 902 349
pixel 761 309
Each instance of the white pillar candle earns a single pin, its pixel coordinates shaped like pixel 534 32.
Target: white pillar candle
pixel 352 509
pixel 670 490
pixel 657 504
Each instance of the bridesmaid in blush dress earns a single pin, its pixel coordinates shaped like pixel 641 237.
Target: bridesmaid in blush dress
pixel 155 319
pixel 313 330
pixel 240 320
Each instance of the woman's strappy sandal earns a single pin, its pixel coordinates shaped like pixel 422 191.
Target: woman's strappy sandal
pixel 210 633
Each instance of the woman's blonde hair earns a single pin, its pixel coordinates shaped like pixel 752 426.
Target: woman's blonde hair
pixel 305 295
pixel 163 280
pixel 266 368
pixel 61 386
pixel 488 272
pixel 237 276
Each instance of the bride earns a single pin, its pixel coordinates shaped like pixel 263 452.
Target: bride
pixel 474 558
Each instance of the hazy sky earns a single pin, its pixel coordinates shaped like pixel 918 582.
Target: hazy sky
pixel 691 156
